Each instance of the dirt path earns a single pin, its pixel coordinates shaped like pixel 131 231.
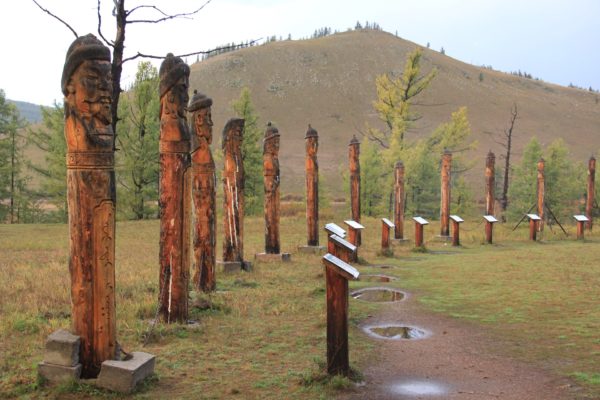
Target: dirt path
pixel 457 361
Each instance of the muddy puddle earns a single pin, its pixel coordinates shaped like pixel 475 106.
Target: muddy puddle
pixel 396 332
pixel 378 294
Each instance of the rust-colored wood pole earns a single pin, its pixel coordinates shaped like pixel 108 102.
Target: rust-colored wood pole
pixel 385 236
pixel 591 190
pixel 337 323
pixel 354 156
pixel 455 233
pixel 418 235
pixel 233 191
pixel 580 226
pixel 271 184
pixel 331 246
pixel 533 229
pixel 490 183
pixel 353 235
pixel 541 191
pixel 312 186
pixel 174 200
pixel 489 227
pixel 91 199
pixel 445 194
pixel 399 200
pixel 203 193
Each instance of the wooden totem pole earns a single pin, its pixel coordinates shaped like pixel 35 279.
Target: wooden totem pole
pixel 203 192
pixel 312 186
pixel 589 204
pixel 87 87
pixel 354 156
pixel 271 184
pixel 399 201
pixel 233 193
pixel 445 197
pixel 174 196
pixel 541 185
pixel 490 198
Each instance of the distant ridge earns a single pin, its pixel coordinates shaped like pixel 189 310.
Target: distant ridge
pixel 29 111
pixel 330 83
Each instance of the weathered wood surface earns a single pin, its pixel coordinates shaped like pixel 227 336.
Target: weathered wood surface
pixel 490 183
pixel 385 236
pixel 489 229
pixel 455 233
pixel 399 200
pixel 354 158
pixel 203 193
pixel 233 191
pixel 591 188
pixel 418 234
pixel 533 229
pixel 541 191
pixel 91 199
pixel 312 186
pixel 580 229
pixel 337 323
pixel 174 196
pixel 271 185
pixel 445 193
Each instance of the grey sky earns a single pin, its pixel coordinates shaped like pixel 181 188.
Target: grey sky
pixel 555 40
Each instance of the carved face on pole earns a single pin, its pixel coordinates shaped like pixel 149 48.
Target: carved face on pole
pixel 87 83
pixel 312 142
pixel 174 84
pixel 201 120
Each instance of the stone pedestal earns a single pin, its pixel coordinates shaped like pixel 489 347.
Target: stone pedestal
pixel 233 266
pixel 400 242
pixel 123 376
pixel 311 249
pixel 61 358
pixel 268 257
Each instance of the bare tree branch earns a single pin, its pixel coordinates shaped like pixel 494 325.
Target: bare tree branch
pixel 49 13
pixel 108 43
pixel 142 55
pixel 165 17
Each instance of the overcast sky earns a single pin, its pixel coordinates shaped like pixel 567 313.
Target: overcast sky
pixel 555 40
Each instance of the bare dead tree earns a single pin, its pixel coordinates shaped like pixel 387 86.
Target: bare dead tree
pixel 507 144
pixel 123 18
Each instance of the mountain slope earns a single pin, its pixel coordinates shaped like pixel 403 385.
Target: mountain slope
pixel 330 83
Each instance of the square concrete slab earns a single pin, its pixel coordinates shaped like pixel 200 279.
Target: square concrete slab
pixel 59 373
pixel 266 257
pixel 311 249
pixel 230 266
pixel 62 348
pixel 123 376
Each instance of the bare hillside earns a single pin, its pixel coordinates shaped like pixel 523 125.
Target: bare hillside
pixel 330 83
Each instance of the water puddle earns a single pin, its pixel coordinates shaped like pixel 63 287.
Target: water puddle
pixel 376 278
pixel 383 266
pixel 419 388
pixel 396 332
pixel 378 294
pixel 442 252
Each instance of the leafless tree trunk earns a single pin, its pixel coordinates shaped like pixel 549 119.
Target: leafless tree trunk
pixel 507 144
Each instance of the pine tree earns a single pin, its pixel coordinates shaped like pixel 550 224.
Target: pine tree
pixel 372 180
pixel 522 192
pixel 137 161
pixel 50 138
pixel 251 153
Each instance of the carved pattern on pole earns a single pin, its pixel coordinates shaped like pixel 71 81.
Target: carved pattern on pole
pixel 354 157
pixel 541 189
pixel 445 193
pixel 271 184
pixel 312 186
pixel 399 200
pixel 591 188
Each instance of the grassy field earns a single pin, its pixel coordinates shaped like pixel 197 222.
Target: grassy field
pixel 264 334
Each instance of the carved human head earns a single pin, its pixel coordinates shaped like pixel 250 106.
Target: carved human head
pixel 174 82
pixel 312 140
pixel 271 139
pixel 87 81
pixel 233 131
pixel 200 117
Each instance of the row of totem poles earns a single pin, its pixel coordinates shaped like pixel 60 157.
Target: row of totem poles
pixel 187 191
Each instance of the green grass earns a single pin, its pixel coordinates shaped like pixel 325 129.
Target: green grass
pixel 263 334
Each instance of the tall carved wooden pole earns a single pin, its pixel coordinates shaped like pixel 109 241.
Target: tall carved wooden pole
pixel 203 192
pixel 399 201
pixel 312 186
pixel 445 202
pixel 233 192
pixel 354 156
pixel 490 197
pixel 540 193
pixel 87 87
pixel 271 183
pixel 589 204
pixel 174 148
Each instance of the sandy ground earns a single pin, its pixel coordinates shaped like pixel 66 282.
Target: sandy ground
pixel 456 361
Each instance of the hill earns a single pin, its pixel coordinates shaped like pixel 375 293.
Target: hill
pixel 330 83
pixel 29 111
